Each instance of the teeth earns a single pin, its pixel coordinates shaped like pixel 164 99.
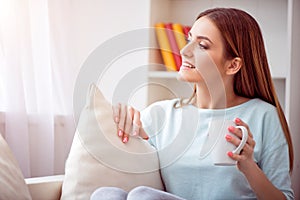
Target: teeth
pixel 188 65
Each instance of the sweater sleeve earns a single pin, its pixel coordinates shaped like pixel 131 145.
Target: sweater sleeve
pixel 153 118
pixel 275 157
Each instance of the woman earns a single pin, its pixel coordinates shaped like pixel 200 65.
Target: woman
pixel 226 59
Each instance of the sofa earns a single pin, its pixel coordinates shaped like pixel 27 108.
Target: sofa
pixel 98 158
pixel 46 188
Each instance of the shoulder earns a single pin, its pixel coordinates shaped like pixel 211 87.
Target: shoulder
pixel 266 119
pixel 155 117
pixel 262 114
pixel 260 106
pixel 165 105
pixel 261 103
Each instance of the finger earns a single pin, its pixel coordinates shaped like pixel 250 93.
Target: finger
pixel 128 121
pixel 234 140
pixel 251 142
pixel 246 152
pixel 135 130
pixel 125 138
pixel 236 157
pixel 143 134
pixel 240 122
pixel 122 119
pixel 137 126
pixel 136 123
pixel 248 149
pixel 244 155
pixel 236 131
pixel 116 112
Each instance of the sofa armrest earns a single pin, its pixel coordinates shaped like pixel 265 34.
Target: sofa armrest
pixel 46 188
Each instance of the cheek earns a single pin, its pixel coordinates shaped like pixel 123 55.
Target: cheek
pixel 206 66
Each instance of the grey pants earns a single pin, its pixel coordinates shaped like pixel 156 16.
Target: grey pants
pixel 138 193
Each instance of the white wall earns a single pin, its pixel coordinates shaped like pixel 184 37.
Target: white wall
pixel 97 21
pixel 293 92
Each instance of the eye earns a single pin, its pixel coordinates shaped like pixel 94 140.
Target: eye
pixel 202 46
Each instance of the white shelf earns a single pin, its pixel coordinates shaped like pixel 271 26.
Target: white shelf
pixel 173 75
pixel 162 74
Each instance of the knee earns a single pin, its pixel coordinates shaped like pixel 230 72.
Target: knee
pixel 108 193
pixel 140 192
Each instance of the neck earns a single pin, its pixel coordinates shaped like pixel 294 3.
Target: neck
pixel 217 98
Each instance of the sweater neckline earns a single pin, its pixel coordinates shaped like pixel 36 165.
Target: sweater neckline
pixel 226 110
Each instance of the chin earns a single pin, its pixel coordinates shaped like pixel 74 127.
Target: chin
pixel 187 77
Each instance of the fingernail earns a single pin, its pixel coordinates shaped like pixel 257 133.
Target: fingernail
pixel 228 137
pixel 125 139
pixel 230 154
pixel 117 119
pixel 146 138
pixel 237 120
pixel 230 128
pixel 120 133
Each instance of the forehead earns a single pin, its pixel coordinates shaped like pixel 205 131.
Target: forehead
pixel 205 27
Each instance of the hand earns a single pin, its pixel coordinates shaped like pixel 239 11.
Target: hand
pixel 246 156
pixel 128 122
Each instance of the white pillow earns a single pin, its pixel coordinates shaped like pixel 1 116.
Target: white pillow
pixel 12 183
pixel 99 158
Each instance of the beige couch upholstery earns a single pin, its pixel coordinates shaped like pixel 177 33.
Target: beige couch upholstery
pixel 46 188
pixel 95 140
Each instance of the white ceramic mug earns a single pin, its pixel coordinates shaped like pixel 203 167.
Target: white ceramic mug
pixel 217 132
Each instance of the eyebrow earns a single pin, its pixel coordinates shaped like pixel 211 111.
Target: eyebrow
pixel 200 37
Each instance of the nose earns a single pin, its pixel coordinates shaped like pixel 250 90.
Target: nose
pixel 186 51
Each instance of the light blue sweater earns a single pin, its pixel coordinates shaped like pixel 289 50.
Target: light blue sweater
pixel 179 135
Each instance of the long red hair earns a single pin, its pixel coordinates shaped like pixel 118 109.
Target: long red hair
pixel 243 38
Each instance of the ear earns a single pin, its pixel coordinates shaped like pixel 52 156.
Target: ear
pixel 234 66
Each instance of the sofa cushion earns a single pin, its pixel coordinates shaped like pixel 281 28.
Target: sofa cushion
pixel 12 184
pixel 45 187
pixel 99 158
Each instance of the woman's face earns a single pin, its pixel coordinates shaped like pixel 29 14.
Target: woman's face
pixel 203 57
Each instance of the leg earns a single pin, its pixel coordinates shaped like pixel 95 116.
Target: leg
pixel 109 193
pixel 148 193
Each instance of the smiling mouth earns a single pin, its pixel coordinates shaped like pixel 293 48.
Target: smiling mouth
pixel 188 65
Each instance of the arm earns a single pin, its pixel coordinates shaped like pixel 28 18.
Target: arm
pixel 259 182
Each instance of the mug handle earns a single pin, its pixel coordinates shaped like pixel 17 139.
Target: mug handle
pixel 243 141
